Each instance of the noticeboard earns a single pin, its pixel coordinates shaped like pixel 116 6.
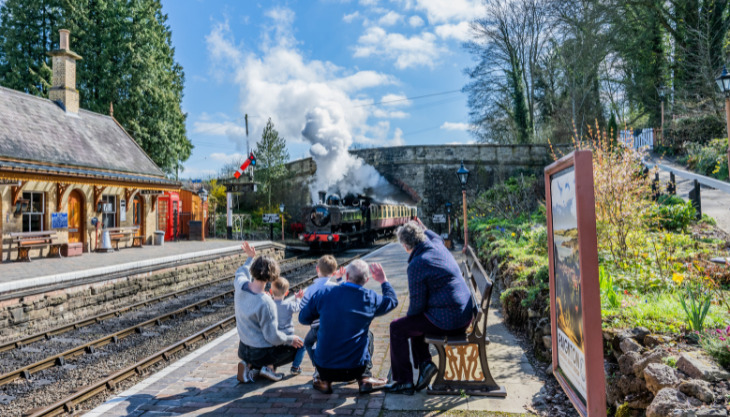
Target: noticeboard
pixel 575 312
pixel 271 218
pixel 439 218
pixel 59 220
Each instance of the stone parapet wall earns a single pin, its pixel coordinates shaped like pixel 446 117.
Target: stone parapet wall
pixel 40 312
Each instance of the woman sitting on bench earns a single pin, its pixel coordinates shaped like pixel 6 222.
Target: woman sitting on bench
pixel 440 305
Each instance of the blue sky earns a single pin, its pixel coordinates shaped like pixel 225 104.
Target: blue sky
pixel 386 72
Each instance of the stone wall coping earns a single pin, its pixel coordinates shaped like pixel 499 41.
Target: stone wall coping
pixel 129 266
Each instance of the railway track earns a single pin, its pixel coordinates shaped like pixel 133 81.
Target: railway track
pixel 297 270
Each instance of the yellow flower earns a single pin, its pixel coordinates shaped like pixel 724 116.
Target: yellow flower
pixel 678 278
pixel 513 234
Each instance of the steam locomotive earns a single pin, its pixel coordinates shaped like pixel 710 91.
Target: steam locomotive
pixel 337 223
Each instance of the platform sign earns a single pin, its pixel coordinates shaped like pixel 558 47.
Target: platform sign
pixel 575 305
pixel 59 220
pixel 271 218
pixel 439 218
pixel 151 192
pixel 5 182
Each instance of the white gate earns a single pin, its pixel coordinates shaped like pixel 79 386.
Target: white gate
pixel 638 139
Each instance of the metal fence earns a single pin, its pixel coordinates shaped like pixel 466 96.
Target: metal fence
pixel 243 227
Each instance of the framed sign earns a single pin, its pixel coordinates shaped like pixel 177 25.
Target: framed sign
pixel 439 218
pixel 122 210
pixel 59 220
pixel 271 218
pixel 575 304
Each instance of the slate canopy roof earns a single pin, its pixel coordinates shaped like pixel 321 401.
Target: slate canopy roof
pixel 37 137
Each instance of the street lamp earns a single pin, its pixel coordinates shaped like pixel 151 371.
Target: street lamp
pixel 203 194
pixel 662 90
pixel 448 214
pixel 463 175
pixel 723 81
pixel 281 210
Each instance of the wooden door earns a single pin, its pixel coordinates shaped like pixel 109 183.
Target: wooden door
pixel 75 217
pixel 138 214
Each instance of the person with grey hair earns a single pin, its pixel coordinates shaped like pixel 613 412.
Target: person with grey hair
pixel 345 312
pixel 440 305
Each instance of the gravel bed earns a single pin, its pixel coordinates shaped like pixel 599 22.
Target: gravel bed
pixel 58 382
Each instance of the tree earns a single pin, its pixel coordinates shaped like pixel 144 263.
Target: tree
pixel 128 61
pixel 271 154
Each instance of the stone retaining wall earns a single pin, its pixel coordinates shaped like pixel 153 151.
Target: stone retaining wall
pixel 36 313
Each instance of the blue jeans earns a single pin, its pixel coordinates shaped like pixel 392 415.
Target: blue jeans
pixel 298 357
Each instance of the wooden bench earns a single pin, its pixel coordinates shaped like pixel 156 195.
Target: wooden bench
pixel 463 367
pixel 117 234
pixel 29 240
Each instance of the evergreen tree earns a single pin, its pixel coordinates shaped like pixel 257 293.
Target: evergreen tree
pixel 271 154
pixel 128 60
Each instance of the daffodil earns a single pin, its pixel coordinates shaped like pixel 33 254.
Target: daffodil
pixel 678 278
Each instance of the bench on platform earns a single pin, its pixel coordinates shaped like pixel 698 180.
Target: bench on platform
pixel 117 234
pixel 29 240
pixel 463 367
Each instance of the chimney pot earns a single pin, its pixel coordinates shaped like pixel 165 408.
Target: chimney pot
pixel 64 43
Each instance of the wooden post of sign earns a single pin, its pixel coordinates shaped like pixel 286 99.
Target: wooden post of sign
pixel 573 259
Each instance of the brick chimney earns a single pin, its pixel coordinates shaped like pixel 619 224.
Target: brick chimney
pixel 64 89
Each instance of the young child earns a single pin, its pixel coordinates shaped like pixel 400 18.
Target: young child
pixel 285 310
pixel 326 269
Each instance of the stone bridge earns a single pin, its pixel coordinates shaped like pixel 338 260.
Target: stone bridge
pixel 428 173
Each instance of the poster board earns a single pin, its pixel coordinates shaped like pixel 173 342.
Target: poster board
pixel 575 304
pixel 439 219
pixel 271 218
pixel 59 220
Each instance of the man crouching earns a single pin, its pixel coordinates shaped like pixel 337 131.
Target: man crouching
pixel 345 313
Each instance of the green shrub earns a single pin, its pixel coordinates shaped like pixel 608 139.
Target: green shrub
pixel 707 158
pixel 717 344
pixel 708 220
pixel 699 129
pixel 674 217
pixel 510 199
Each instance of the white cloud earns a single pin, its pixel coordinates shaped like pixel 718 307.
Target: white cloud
pixel 456 126
pixel 385 114
pixel 226 157
pixel 460 32
pixel 278 81
pixel 415 21
pixel 218 128
pixel 393 100
pixel 408 52
pixel 390 18
pixel 348 18
pixel 447 11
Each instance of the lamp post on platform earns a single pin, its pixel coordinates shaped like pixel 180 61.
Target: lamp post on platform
pixel 463 175
pixel 723 81
pixel 448 214
pixel 281 210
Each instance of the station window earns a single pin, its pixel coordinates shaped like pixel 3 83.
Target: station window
pixel 109 211
pixel 33 216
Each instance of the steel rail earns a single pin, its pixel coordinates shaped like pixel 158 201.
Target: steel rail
pixel 45 335
pixel 68 404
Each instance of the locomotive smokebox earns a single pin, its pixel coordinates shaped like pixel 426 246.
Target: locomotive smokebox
pixel 322 196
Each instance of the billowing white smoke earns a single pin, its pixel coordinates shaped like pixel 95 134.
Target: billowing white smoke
pixel 338 171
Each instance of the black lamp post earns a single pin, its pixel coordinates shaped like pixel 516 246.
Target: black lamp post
pixel 281 210
pixel 463 175
pixel 723 81
pixel 448 215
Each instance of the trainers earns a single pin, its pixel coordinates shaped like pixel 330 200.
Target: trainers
pixel 268 373
pixel 243 372
pixel 296 370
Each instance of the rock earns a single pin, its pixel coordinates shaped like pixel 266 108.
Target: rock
pixel 668 401
pixel 697 388
pixel 547 341
pixel 640 332
pixel 654 356
pixel 532 313
pixel 699 366
pixel 653 340
pixel 659 376
pixel 629 345
pixel 626 362
pixel 711 412
pixel 549 369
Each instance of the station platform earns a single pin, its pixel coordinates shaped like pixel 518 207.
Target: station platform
pixel 203 383
pixel 15 276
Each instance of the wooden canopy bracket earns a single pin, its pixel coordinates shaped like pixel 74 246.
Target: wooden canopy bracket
pixel 128 193
pixel 97 195
pixel 153 199
pixel 16 191
pixel 60 190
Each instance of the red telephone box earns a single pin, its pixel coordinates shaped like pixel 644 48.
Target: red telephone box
pixel 168 214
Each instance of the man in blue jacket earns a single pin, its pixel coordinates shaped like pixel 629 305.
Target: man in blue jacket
pixel 345 313
pixel 440 304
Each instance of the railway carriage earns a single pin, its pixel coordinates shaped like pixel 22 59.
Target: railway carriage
pixel 336 223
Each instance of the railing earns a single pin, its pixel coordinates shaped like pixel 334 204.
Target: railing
pixel 243 228
pixel 637 139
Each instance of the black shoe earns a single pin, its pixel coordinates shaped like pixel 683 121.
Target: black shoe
pixel 426 372
pixel 400 388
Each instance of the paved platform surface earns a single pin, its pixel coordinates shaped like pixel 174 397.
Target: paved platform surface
pixel 14 275
pixel 204 383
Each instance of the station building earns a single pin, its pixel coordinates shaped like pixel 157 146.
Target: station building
pixel 61 166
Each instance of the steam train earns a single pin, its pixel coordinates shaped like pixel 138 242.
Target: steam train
pixel 337 223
